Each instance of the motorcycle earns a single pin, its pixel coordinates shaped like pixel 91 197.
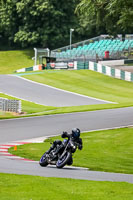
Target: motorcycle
pixel 63 157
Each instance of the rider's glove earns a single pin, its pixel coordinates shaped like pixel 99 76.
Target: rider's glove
pixel 80 146
pixel 64 134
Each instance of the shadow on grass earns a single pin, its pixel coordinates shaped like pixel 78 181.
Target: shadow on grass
pixel 29 53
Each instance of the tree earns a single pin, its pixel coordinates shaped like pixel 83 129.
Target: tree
pixel 44 23
pixel 8 19
pixel 106 16
pixel 121 12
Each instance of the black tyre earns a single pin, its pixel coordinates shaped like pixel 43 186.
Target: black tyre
pixel 70 161
pixel 62 161
pixel 43 161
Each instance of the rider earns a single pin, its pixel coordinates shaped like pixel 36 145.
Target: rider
pixel 75 136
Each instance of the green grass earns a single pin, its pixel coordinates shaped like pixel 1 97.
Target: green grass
pixel 91 84
pixel 129 64
pixel 28 108
pixel 110 151
pixel 13 60
pixel 6 115
pixel 23 187
pixel 84 82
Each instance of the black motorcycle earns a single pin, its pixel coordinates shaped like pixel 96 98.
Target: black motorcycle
pixel 63 157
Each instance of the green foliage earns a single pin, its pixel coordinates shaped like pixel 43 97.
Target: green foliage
pixel 120 12
pixel 102 16
pixel 91 16
pixel 37 22
pixel 46 23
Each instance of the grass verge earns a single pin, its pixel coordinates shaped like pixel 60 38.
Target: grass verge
pixel 28 108
pixel 13 60
pixel 109 150
pixel 88 83
pixel 33 109
pixel 91 84
pixel 84 82
pixel 18 187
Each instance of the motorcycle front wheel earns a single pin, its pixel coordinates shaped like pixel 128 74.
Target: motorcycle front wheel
pixel 43 161
pixel 63 160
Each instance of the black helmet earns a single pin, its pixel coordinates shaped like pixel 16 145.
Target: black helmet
pixel 75 133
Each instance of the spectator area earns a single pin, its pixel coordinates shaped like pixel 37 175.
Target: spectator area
pixel 98 48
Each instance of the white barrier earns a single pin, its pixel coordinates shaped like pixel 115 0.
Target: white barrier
pixel 10 105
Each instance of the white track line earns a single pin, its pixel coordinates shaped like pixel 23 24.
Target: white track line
pixel 63 90
pixel 17 97
pixel 41 139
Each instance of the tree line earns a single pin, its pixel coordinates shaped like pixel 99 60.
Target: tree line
pixel 47 23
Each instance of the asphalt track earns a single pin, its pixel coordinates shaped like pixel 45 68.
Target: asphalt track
pixel 33 127
pixel 43 94
pixel 27 128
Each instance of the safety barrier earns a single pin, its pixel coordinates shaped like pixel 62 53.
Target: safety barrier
pixel 107 70
pixel 10 105
pixel 98 67
pixel 56 65
pixel 34 68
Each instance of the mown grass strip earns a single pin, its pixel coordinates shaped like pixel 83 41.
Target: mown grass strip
pixel 18 187
pixel 88 83
pixel 84 82
pixel 27 109
pixel 109 150
pixel 10 61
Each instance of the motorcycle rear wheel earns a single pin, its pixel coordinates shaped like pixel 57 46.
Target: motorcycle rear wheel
pixel 43 161
pixel 62 161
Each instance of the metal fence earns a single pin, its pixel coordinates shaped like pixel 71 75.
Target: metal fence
pixel 10 105
pixel 85 42
pixel 92 55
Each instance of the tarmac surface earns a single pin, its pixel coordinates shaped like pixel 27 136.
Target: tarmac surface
pixel 26 128
pixel 33 168
pixel 33 127
pixel 43 94
pixel 124 68
pixel 16 130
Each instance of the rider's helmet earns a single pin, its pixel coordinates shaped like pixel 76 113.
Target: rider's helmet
pixel 75 133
